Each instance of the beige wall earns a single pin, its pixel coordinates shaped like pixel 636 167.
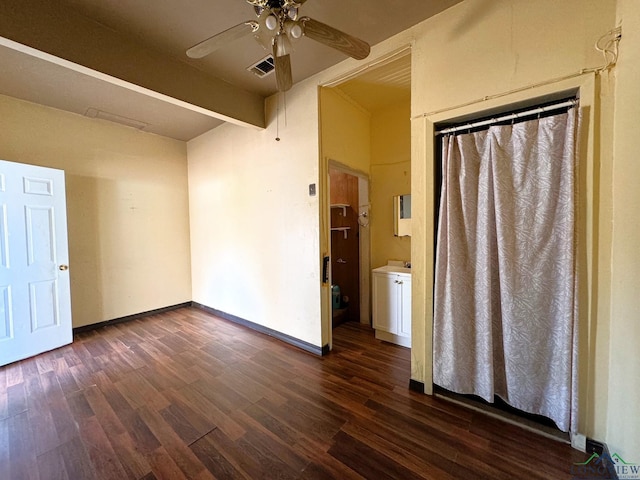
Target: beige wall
pixel 623 434
pixel 254 227
pixel 390 176
pixel 127 207
pixel 346 131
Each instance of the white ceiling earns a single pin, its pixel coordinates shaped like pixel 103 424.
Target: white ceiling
pixel 169 27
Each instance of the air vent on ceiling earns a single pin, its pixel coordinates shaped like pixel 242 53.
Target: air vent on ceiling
pixel 263 67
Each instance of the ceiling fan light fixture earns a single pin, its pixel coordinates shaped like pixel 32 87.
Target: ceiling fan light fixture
pixel 293 29
pixel 271 22
pixel 292 13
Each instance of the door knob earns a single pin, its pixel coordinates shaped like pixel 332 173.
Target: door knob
pixel 64 267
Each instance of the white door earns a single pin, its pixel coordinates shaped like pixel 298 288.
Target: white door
pixel 35 300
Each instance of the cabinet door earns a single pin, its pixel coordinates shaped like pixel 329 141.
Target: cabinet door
pixel 404 312
pixel 385 302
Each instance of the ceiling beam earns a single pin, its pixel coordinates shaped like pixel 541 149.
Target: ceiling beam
pixel 59 31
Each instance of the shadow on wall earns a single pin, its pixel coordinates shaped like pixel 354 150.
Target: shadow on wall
pixel 85 249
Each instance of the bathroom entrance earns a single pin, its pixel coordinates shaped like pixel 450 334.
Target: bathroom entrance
pixel 365 133
pixel 349 202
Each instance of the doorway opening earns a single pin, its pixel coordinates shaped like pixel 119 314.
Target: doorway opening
pixel 350 245
pixel 365 163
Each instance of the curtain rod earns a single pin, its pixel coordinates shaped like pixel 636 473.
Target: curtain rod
pixel 508 116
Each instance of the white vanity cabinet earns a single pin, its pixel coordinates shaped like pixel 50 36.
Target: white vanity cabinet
pixel 392 304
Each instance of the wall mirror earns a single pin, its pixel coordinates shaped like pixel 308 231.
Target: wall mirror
pixel 402 215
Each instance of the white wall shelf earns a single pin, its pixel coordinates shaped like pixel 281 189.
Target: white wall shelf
pixel 343 206
pixel 341 229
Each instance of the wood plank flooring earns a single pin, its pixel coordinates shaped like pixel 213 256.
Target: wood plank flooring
pixel 184 395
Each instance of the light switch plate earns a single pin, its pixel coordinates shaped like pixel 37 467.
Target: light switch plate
pixel 312 189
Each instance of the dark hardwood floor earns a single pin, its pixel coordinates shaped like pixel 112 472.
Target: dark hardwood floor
pixel 186 395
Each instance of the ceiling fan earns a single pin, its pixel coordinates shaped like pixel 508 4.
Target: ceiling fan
pixel 278 23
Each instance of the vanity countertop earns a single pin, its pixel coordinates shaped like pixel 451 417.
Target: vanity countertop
pixel 392 269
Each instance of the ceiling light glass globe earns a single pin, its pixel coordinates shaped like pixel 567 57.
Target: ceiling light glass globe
pixel 293 29
pixel 271 22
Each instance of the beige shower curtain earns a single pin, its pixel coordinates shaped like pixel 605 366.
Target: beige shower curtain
pixel 505 317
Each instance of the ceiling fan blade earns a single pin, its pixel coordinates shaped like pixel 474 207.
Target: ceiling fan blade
pixel 334 38
pixel 221 39
pixel 284 81
pixel 283 3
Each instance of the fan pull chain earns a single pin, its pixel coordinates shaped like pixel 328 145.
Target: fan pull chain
pixel 284 104
pixel 278 119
